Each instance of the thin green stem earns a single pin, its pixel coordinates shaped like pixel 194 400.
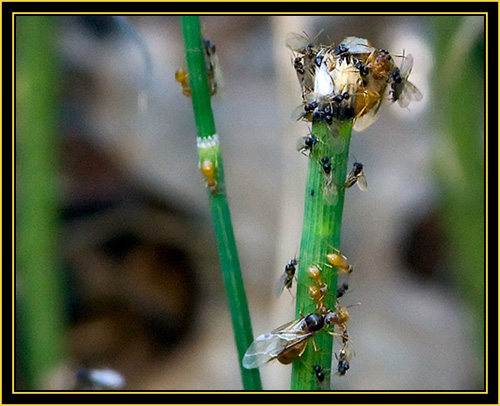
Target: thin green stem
pixel 324 203
pixel 212 167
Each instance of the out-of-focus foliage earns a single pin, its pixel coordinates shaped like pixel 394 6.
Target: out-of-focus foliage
pixel 39 309
pixel 460 172
pixel 460 165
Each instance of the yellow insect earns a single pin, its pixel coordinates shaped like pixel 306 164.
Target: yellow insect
pixel 339 261
pixel 208 169
pixel 318 291
pixel 181 76
pixel 376 71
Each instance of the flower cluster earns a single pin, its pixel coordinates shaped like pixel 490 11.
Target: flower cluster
pixel 350 81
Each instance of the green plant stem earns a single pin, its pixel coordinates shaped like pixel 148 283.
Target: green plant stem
pixel 209 149
pixel 320 233
pixel 38 280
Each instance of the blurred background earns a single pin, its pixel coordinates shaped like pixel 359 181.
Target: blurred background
pixel 116 262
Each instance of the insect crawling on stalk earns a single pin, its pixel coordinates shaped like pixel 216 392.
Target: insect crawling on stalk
pixel 339 261
pixel 286 343
pixel 208 169
pixel 306 144
pixel 214 73
pixel 286 279
pixel 317 291
pixel 321 375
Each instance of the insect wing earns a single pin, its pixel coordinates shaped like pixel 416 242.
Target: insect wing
pixel 352 178
pixel 330 191
pixel 297 42
pixel 301 143
pixel 349 350
pixel 281 283
pixel 409 93
pixel 269 346
pixel 366 120
pixel 299 113
pixel 406 65
pixel 218 75
pixel 265 348
pixel 330 194
pixel 361 182
pixel 358 46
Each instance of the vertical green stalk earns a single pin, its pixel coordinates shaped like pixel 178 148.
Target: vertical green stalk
pixel 209 152
pixel 320 233
pixel 38 290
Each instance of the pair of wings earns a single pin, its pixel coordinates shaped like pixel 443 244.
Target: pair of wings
pixel 359 179
pixel 269 346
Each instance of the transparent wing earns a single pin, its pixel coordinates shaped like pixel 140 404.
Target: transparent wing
pixel 406 65
pixel 265 348
pixel 330 192
pixel 293 327
pixel 366 120
pixel 361 182
pixel 218 75
pixel 298 113
pixel 301 42
pixel 409 93
pixel 269 346
pixel 301 144
pixel 280 284
pixel 296 42
pixel 357 46
pixel 349 350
